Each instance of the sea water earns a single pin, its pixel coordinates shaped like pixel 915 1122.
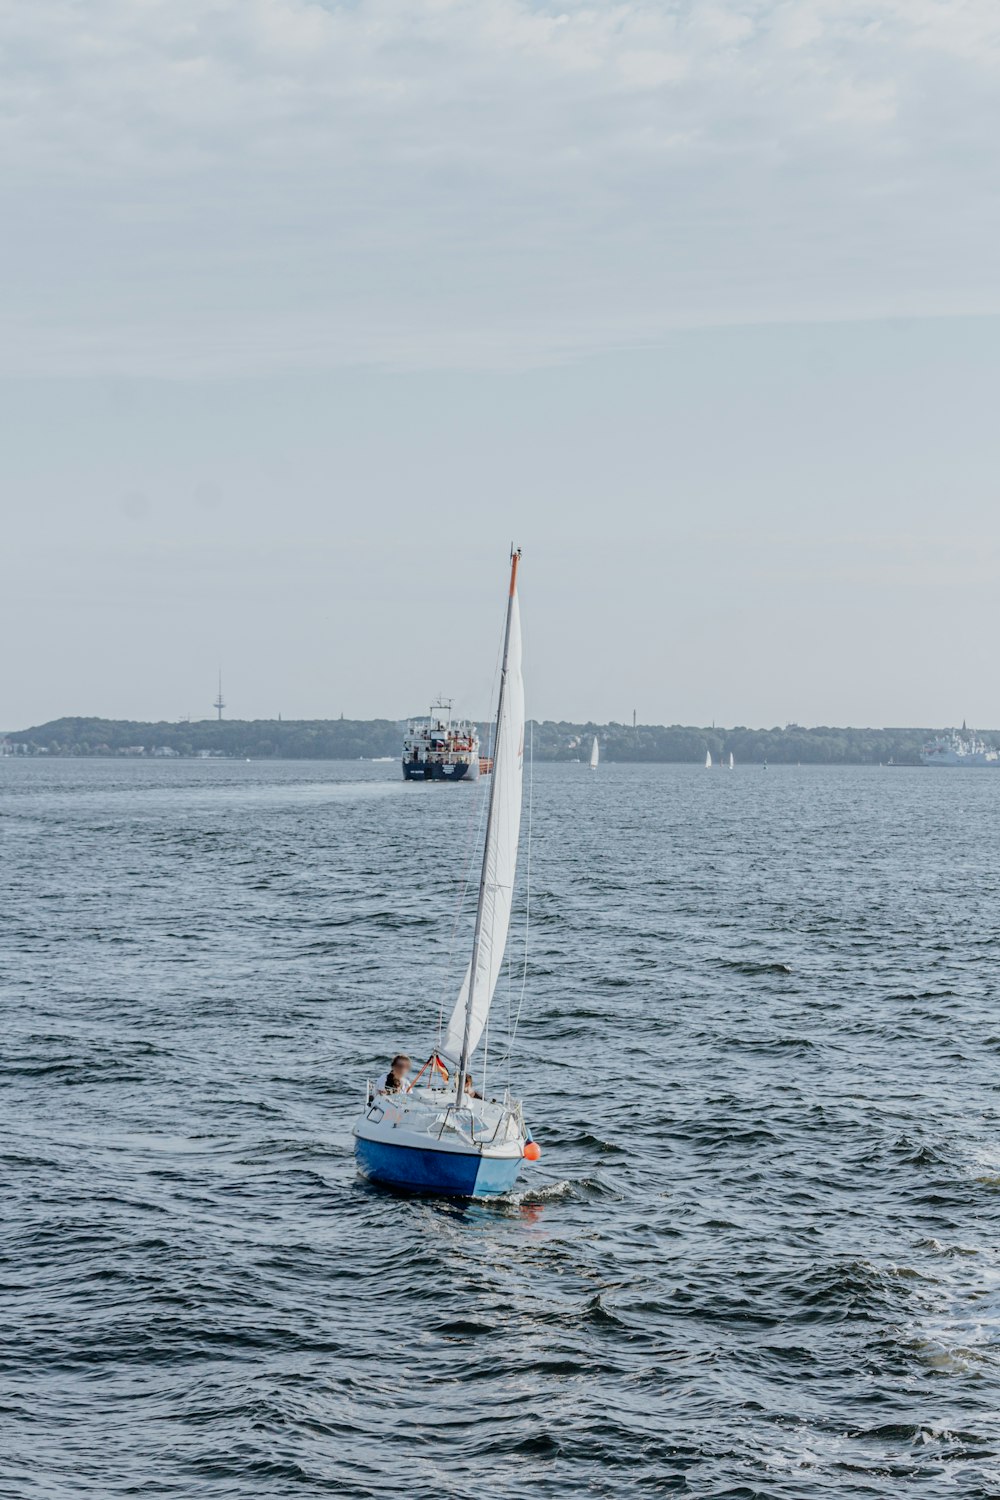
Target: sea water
pixel 759 1044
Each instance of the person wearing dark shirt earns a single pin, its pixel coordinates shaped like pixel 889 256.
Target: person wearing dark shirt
pixel 394 1082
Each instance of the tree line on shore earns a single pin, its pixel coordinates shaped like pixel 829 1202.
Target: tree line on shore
pixel 353 739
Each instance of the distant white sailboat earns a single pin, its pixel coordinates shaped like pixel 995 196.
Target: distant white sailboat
pixel 731 761
pixel 595 754
pixel 708 760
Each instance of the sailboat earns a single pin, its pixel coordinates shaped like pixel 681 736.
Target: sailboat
pixel 708 760
pixel 595 754
pixel 437 1136
pixel 731 761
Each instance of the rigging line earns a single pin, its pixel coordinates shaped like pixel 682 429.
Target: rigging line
pixel 506 1057
pixel 480 810
pixel 472 839
pixel 486 1052
pixel 527 895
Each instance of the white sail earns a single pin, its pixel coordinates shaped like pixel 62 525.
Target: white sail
pixel 731 761
pixel 595 754
pixel 708 760
pixel 499 856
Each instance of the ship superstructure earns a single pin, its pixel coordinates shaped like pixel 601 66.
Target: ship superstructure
pixel 960 747
pixel 440 748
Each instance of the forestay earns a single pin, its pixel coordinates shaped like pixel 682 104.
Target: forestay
pixel 499 856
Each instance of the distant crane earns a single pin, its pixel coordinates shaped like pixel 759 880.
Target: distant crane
pixel 219 705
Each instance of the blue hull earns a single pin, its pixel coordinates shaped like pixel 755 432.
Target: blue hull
pixel 449 1172
pixel 414 770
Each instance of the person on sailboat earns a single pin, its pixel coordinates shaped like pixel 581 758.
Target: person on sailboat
pixel 394 1082
pixel 470 1091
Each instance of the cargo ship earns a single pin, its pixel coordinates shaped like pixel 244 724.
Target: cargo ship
pixel 960 747
pixel 440 748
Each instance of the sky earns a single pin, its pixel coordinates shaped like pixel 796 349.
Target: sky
pixel 309 309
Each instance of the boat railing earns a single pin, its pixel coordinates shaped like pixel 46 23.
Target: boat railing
pixel 478 1139
pixel 474 1139
pixel 482 1141
pixel 505 1117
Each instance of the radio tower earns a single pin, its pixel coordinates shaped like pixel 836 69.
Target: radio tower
pixel 219 705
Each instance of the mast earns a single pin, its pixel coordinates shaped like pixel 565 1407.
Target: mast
pixel 515 558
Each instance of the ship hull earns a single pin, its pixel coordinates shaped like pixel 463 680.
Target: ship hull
pixel 453 1174
pixel 418 1142
pixel 971 762
pixel 434 771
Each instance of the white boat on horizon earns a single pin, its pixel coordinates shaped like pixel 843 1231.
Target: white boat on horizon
pixel 708 760
pixel 595 754
pixel 960 747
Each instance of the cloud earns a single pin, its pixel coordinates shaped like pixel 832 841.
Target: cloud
pixel 235 186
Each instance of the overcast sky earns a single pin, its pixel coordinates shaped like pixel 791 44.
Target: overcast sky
pixel 309 308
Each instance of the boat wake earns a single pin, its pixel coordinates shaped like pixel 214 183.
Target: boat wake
pixel 549 1192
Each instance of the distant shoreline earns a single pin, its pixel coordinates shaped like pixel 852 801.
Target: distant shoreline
pixel 549 740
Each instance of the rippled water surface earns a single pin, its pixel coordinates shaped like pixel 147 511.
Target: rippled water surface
pixel 760 1046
